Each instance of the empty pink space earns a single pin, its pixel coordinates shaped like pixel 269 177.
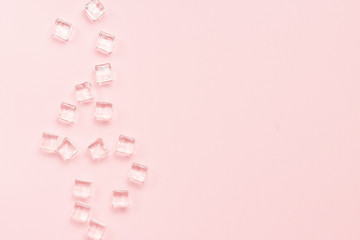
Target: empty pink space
pixel 245 113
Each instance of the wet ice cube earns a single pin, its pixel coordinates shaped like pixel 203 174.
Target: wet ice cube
pixel 49 142
pixel 81 212
pixel 125 146
pixel 137 173
pixel 94 10
pixel 62 30
pixel 83 92
pixel 67 149
pixel 82 189
pixel 121 199
pixel 104 74
pixel 67 113
pixel 98 150
pixel 96 230
pixel 106 43
pixel 103 111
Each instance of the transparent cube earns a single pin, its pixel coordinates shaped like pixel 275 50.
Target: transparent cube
pixel 98 150
pixel 125 146
pixel 94 10
pixel 67 149
pixel 67 113
pixel 82 189
pixel 96 230
pixel 62 30
pixel 106 43
pixel 137 173
pixel 103 111
pixel 121 199
pixel 49 142
pixel 104 74
pixel 81 212
pixel 83 92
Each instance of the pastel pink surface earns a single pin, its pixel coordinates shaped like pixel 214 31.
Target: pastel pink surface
pixel 247 114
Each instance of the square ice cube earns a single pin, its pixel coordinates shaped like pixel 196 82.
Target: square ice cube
pixel 83 92
pixel 103 74
pixel 106 43
pixel 94 10
pixel 82 189
pixel 67 149
pixel 137 173
pixel 49 142
pixel 81 212
pixel 98 150
pixel 62 30
pixel 67 113
pixel 96 230
pixel 103 111
pixel 125 146
pixel 121 199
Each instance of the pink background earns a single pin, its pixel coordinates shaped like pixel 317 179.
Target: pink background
pixel 246 112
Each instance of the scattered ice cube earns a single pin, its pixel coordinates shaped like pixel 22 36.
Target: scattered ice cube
pixel 137 173
pixel 49 142
pixel 125 146
pixel 106 43
pixel 82 189
pixel 98 150
pixel 94 10
pixel 103 111
pixel 67 113
pixel 121 199
pixel 96 230
pixel 67 149
pixel 62 30
pixel 83 92
pixel 81 212
pixel 104 74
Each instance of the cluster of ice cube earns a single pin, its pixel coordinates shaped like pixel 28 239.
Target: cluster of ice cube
pixel 67 149
pixel 83 189
pixel 94 10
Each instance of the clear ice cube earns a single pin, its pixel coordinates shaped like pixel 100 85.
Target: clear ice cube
pixel 83 92
pixel 81 212
pixel 94 10
pixel 82 189
pixel 67 149
pixel 98 150
pixel 104 74
pixel 49 142
pixel 121 199
pixel 103 111
pixel 67 113
pixel 137 173
pixel 125 146
pixel 62 30
pixel 96 230
pixel 106 43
